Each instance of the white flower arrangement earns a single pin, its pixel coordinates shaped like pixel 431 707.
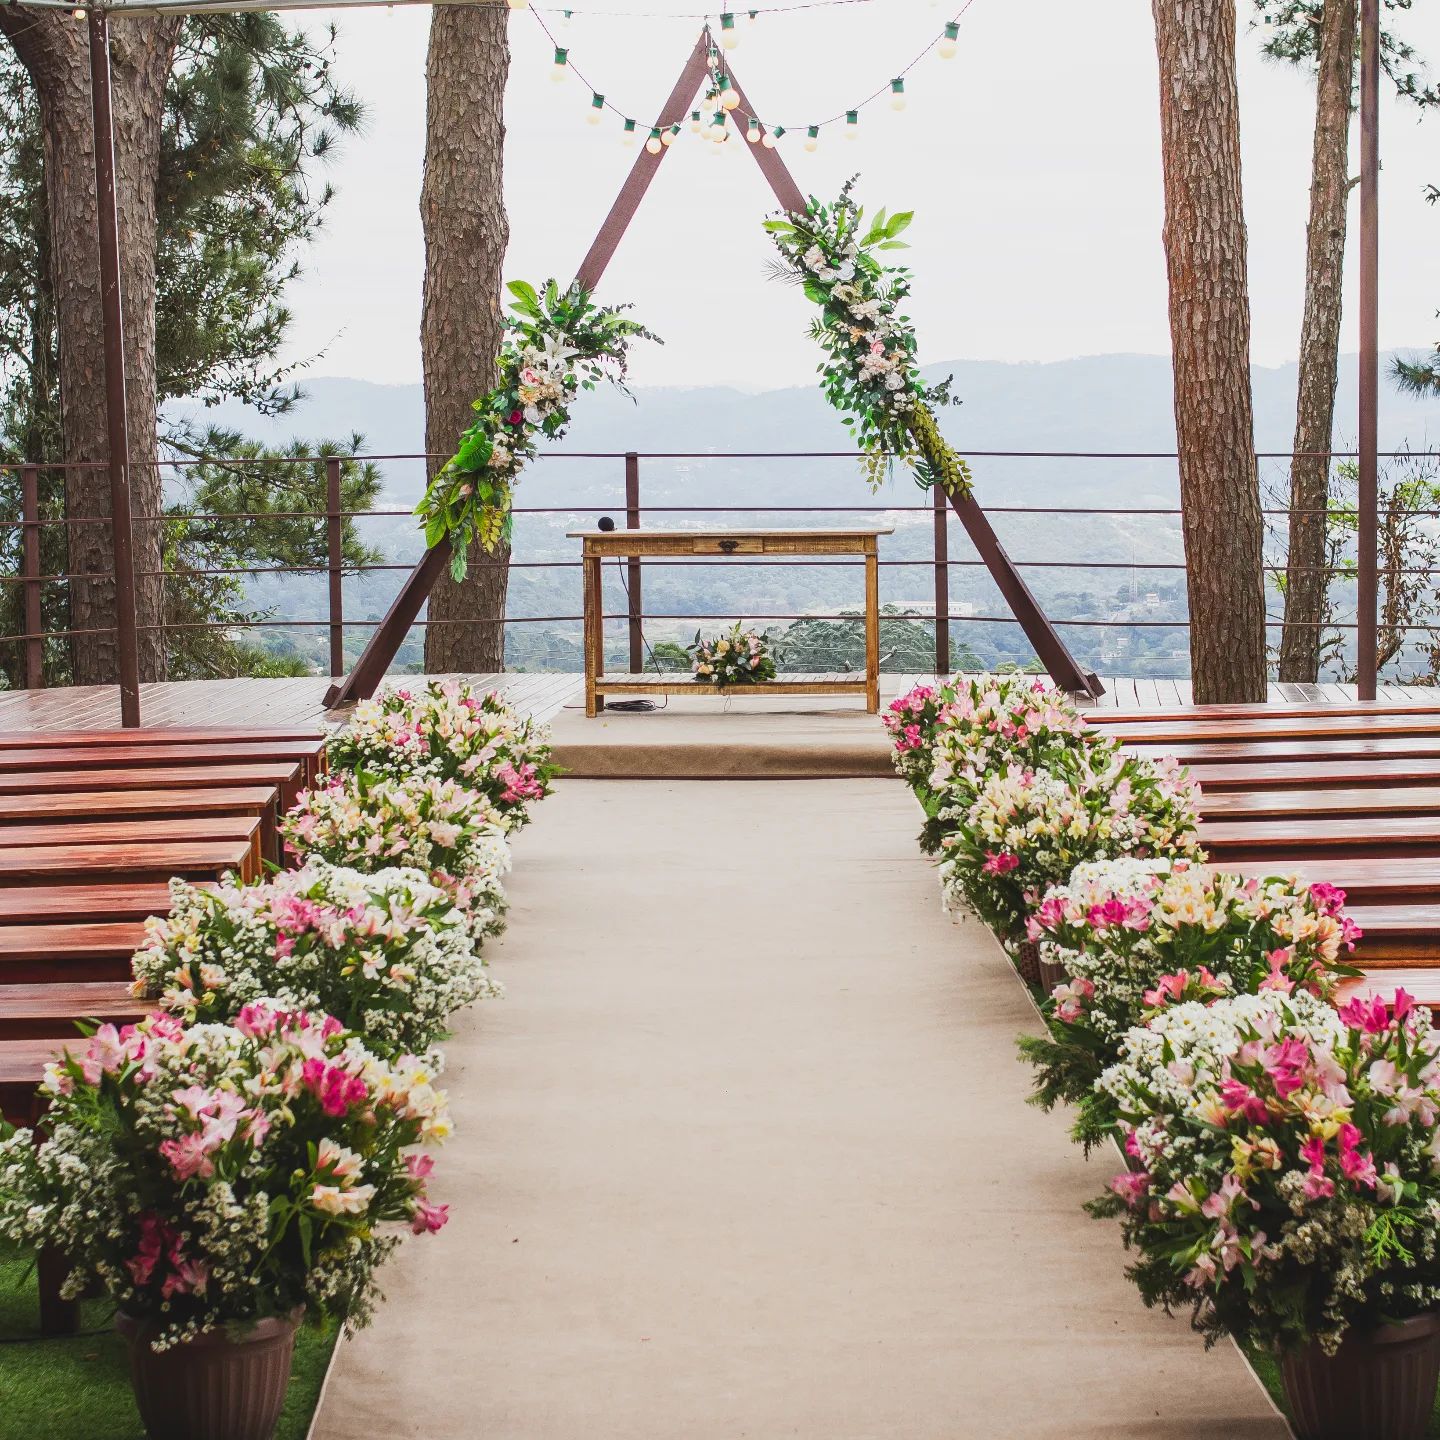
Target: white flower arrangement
pixel 450 731
pixel 414 822
pixel 389 954
pixel 222 1174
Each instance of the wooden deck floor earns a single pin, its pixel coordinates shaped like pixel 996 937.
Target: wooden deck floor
pixel 301 701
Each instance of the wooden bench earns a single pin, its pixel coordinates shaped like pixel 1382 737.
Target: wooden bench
pixel 286 776
pixel 106 901
pixel 134 860
pixel 1268 752
pixel 38 758
pixel 1376 836
pixel 79 950
pixel 159 735
pixel 1310 801
pixel 1320 773
pixel 49 1009
pixel 1105 718
pixel 1160 728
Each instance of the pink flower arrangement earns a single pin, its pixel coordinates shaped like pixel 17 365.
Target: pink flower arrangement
pixel 1146 936
pixel 450 731
pixel 246 1169
pixel 1283 1180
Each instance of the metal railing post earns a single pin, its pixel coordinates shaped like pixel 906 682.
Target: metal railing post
pixel 335 538
pixel 632 565
pixel 30 570
pixel 942 580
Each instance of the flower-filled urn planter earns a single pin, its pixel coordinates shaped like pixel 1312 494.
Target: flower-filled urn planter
pixel 227 1384
pixel 1380 1384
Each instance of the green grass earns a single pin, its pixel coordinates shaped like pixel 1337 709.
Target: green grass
pixel 1268 1369
pixel 78 1387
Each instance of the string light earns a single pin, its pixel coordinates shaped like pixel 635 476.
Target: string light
pixel 722 93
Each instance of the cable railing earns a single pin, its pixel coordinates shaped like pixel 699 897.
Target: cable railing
pixel 20 555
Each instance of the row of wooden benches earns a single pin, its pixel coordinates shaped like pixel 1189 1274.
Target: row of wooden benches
pixel 92 827
pixel 1345 794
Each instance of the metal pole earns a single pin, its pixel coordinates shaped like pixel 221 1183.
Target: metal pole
pixel 1367 538
pixel 335 536
pixel 942 580
pixel 113 322
pixel 632 565
pixel 30 569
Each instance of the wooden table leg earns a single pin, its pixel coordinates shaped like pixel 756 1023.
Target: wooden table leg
pixel 872 631
pixel 594 635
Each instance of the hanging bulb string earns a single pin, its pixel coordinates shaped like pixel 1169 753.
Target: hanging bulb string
pixel 719 68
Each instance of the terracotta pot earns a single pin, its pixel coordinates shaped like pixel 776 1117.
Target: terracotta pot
pixel 1380 1385
pixel 1026 954
pixel 217 1387
pixel 1052 975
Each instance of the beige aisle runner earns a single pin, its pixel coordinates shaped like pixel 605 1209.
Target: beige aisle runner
pixel 745 1153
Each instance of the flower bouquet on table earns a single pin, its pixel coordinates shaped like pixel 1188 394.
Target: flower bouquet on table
pixel 370 823
pixel 1136 937
pixel 1027 829
pixel 389 954
pixel 1283 1186
pixel 218 1181
pixel 738 657
pixel 451 731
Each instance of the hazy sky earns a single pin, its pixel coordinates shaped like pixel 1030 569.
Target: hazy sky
pixel 1032 160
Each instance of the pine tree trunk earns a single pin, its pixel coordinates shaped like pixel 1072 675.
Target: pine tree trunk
pixel 54 49
pixel 462 206
pixel 1305 577
pixel 1205 250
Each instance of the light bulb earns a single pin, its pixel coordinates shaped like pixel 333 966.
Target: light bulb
pixel 627 139
pixel 947 49
pixel 653 145
pixel 768 141
pixel 851 131
pixel 949 41
pixel 729 100
pixel 557 74
pixel 811 143
pixel 897 101
pixel 729 39
pixel 668 138
pixel 753 133
pixel 592 117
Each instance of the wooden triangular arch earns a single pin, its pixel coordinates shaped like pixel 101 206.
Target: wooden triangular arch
pixel 388 636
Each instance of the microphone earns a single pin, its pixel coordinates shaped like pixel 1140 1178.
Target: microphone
pixel 606 524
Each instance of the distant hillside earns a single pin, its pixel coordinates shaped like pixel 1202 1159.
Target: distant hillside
pixel 1112 569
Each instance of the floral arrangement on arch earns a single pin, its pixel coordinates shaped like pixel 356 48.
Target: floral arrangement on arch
pixel 451 731
pixel 1027 829
pixel 1138 937
pixel 389 954
pixel 226 1173
pixel 870 373
pixel 1283 1165
pixel 369 823
pixel 557 343
pixel 738 657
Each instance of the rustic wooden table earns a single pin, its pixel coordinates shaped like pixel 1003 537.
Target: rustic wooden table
pixel 601 545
